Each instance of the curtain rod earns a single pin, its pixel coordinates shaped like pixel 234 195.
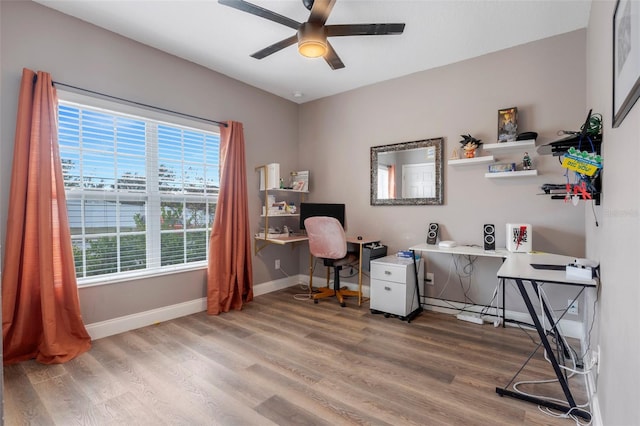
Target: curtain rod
pixel 219 123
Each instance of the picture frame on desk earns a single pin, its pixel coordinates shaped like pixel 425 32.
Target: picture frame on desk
pixel 507 124
pixel 626 58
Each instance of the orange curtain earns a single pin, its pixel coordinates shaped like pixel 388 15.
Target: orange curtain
pixel 230 277
pixel 40 308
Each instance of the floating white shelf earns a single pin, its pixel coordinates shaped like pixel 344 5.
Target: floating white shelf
pixel 521 173
pixel 472 161
pixel 510 146
pixel 284 190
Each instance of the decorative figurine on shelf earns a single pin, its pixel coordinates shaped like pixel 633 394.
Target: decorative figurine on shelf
pixel 526 162
pixel 470 145
pixel 454 155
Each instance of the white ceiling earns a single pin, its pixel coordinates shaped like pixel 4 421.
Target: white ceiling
pixel 436 33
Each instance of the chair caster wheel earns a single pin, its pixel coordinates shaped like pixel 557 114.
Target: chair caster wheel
pixel 387 315
pixel 343 304
pixel 315 301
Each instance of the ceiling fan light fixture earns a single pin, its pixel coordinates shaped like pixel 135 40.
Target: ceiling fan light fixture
pixel 312 41
pixel 312 48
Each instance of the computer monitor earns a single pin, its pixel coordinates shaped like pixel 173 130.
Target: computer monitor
pixel 321 209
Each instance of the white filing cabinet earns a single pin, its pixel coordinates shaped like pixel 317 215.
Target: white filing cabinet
pixel 393 285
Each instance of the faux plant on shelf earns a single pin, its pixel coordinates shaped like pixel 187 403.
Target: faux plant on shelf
pixel 470 145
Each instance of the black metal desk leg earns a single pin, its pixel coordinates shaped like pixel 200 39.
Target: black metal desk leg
pixel 547 313
pixel 554 362
pixel 504 318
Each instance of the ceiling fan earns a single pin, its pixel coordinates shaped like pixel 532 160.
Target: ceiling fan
pixel 312 35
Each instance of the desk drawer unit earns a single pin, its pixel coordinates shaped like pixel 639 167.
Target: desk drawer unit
pixel 393 288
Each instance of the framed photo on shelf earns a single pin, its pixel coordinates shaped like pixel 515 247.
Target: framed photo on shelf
pixel 626 58
pixel 507 124
pixel 300 181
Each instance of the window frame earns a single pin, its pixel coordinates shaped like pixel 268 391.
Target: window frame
pixel 148 197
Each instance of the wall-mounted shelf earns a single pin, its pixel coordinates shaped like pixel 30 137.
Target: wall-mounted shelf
pixel 520 173
pixel 285 190
pixel 263 239
pixel 472 161
pixel 291 239
pixel 510 146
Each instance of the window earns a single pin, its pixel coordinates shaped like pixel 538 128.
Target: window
pixel 383 182
pixel 141 192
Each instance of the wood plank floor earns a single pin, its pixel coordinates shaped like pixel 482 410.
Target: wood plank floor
pixel 289 362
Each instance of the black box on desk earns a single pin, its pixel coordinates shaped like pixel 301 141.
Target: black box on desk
pixel 372 252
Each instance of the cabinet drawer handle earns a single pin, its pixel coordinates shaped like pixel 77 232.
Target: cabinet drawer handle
pixel 387 272
pixel 387 288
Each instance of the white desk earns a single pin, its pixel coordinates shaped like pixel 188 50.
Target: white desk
pixel 463 250
pixel 518 267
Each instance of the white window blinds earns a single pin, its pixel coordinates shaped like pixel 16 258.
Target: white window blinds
pixel 141 193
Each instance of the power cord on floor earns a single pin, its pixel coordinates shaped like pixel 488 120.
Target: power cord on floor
pixel 567 415
pixel 303 285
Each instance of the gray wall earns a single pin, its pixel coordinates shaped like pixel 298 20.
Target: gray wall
pixel 615 242
pixel 544 79
pixel 83 55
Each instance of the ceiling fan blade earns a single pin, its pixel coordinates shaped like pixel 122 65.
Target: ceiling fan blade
pixel 261 12
pixel 320 11
pixel 332 58
pixel 275 47
pixel 363 29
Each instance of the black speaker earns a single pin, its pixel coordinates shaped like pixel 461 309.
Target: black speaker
pixel 432 233
pixel 489 237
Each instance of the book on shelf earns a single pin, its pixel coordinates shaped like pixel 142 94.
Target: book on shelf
pixel 270 176
pixel 503 167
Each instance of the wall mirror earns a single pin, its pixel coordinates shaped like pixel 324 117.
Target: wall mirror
pixel 407 173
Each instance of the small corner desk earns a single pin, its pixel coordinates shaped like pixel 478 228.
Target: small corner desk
pixel 533 269
pixel 543 268
pixel 350 240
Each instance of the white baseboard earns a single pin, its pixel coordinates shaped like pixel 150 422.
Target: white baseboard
pixel 351 286
pixel 592 392
pixel 119 325
pixel 276 285
pixel 569 328
pixel 596 415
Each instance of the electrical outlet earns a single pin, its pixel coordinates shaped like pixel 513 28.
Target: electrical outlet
pixel 277 263
pixel 573 307
pixel 430 278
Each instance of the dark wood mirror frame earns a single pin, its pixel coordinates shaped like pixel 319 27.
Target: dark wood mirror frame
pixel 432 149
